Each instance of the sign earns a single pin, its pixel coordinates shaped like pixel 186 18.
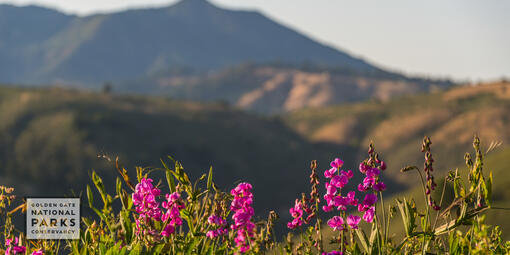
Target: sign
pixel 53 218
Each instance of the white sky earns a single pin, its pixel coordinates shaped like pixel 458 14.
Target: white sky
pixel 462 39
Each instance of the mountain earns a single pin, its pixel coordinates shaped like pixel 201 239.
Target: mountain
pixel 451 118
pixel 41 46
pixel 23 31
pixel 277 88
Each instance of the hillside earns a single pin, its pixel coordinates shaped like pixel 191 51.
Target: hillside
pixel 45 46
pixel 450 118
pixel 50 140
pixel 277 88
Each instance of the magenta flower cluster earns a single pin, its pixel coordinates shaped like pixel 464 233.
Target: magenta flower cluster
pixel 243 212
pixel 146 205
pixel 172 217
pixel 13 247
pixel 338 179
pixel 297 213
pixel 218 222
pixel 370 182
pixel 148 208
pixel 334 199
pixel 144 199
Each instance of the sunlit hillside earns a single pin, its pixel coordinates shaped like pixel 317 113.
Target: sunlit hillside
pixel 451 118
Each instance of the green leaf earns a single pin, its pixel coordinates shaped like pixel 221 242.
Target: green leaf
pixel 118 186
pixel 90 196
pixel 126 225
pixel 408 217
pixel 98 182
pixel 374 236
pixel 363 239
pixel 169 177
pixel 209 179
pixel 488 198
pixel 192 246
pixel 158 249
pixel 136 250
pixel 102 248
pixel 210 250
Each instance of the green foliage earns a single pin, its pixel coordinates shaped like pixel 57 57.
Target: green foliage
pixel 461 229
pixel 50 139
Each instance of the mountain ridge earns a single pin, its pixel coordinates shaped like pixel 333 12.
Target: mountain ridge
pixel 131 43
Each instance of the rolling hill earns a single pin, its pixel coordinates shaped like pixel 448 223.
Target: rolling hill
pixel 50 140
pixel 40 46
pixel 451 118
pixel 277 88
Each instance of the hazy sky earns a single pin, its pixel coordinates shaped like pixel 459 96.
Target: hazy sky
pixel 462 39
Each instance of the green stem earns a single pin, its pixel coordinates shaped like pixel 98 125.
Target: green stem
pixel 440 202
pixel 427 209
pixel 384 218
pixel 387 227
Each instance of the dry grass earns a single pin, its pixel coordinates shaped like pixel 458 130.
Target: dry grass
pixel 401 128
pixel 499 89
pixel 340 131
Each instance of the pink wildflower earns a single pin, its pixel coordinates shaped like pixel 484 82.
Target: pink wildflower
pixel 380 186
pixel 330 173
pixel 336 223
pixel 13 247
pixel 241 206
pixel 218 222
pixel 296 212
pixel 383 165
pixel 368 216
pixel 349 173
pixel 353 221
pixel 144 199
pixel 173 204
pixel 369 200
pixel 339 181
pixel 337 163
pixel 351 198
pixel 363 167
pixel 333 253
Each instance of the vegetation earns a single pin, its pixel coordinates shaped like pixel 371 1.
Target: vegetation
pixel 51 139
pixel 497 161
pixel 194 217
pixel 39 126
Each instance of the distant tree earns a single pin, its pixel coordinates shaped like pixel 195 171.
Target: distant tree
pixel 107 87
